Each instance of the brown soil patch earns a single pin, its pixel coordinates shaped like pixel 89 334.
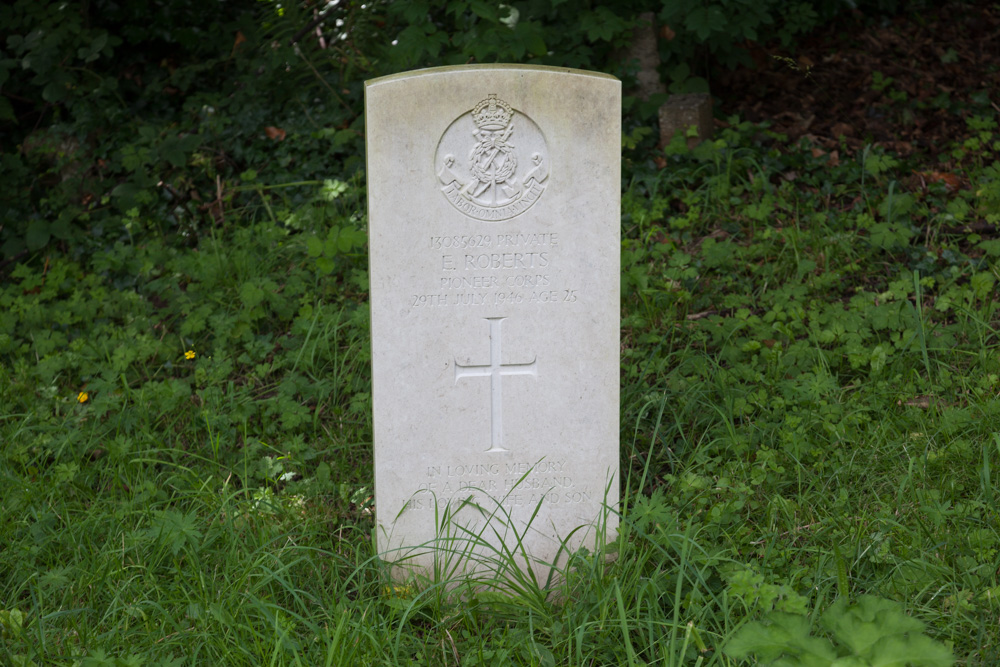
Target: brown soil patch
pixel 906 84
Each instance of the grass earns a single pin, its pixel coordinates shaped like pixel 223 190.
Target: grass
pixel 810 416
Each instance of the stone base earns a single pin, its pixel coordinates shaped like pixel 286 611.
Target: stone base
pixel 681 112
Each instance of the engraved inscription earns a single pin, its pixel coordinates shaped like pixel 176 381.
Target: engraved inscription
pixel 511 484
pixel 480 163
pixel 496 270
pixel 531 296
pixel 495 371
pixel 463 241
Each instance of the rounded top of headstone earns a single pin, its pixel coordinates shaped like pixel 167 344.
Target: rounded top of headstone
pixel 459 69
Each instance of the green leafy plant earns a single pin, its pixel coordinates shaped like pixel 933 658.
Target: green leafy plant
pixel 871 632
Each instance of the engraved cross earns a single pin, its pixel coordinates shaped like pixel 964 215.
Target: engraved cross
pixel 495 371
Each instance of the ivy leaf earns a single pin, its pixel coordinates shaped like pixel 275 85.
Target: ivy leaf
pixel 350 239
pixel 314 247
pixel 415 41
pixel 54 91
pixel 531 35
pixel 38 234
pixel 484 10
pixel 602 24
pixel 93 52
pixel 325 265
pixel 703 21
pixel 176 149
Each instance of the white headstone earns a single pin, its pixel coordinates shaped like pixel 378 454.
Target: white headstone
pixel 493 199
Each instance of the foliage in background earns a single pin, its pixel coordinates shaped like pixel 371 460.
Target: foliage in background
pixel 110 106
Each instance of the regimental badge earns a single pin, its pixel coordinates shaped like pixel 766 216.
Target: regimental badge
pixel 492 162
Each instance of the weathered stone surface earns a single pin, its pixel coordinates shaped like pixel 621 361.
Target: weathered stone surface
pixel 493 195
pixel 681 112
pixel 645 51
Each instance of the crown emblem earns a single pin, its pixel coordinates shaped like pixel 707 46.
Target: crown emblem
pixel 492 113
pixel 481 167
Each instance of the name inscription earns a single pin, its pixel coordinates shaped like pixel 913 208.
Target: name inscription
pixel 495 270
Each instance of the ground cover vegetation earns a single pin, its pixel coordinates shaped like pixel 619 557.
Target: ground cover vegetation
pixel 810 369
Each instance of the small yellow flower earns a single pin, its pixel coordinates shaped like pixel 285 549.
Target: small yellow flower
pixel 189 354
pixel 82 397
pixel 397 591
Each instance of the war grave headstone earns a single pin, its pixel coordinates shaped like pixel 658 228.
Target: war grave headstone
pixel 493 199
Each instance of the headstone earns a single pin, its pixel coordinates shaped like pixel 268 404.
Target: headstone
pixel 682 112
pixel 494 229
